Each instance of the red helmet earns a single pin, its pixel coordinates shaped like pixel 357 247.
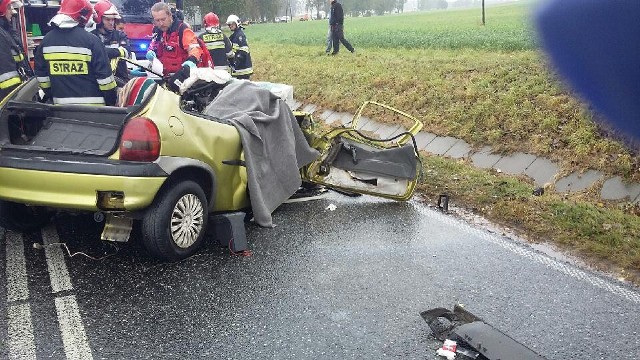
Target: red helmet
pixel 105 9
pixel 211 20
pixel 5 4
pixel 79 10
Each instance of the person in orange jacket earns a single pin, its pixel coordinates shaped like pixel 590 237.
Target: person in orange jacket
pixel 173 42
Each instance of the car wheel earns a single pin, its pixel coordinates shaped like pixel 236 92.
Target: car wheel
pixel 19 217
pixel 173 228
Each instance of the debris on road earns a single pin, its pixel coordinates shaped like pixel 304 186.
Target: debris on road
pixel 448 349
pixel 472 337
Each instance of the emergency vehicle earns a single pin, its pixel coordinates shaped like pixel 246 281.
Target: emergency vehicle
pixel 138 24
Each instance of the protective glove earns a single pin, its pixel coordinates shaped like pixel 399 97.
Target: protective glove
pixel 123 52
pixel 189 63
pixel 151 55
pixel 138 73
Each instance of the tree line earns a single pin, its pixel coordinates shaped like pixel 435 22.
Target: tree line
pixel 257 10
pixel 267 10
pixel 360 7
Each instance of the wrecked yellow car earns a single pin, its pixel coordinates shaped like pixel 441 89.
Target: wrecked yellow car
pixel 170 161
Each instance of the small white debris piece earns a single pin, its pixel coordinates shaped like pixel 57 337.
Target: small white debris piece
pixel 448 349
pixel 331 207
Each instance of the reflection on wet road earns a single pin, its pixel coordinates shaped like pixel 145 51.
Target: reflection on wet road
pixel 336 278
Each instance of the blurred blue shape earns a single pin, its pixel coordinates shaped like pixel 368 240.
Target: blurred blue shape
pixel 595 44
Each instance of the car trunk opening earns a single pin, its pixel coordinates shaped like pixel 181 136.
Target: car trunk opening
pixel 64 128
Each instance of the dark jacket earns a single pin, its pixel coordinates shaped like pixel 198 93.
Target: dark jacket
pixel 113 40
pixel 336 15
pixel 13 69
pixel 72 65
pixel 219 47
pixel 242 64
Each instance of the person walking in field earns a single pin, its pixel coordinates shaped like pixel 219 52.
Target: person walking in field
pixel 336 20
pixel 329 38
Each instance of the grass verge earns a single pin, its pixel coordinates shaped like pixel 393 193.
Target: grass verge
pixel 606 235
pixel 487 85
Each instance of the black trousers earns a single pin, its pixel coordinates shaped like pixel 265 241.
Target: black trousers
pixel 337 33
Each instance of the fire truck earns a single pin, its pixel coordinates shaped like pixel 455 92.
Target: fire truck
pixel 34 16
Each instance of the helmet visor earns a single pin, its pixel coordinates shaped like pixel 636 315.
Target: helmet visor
pixel 15 5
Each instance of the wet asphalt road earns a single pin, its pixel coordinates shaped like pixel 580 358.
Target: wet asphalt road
pixel 322 284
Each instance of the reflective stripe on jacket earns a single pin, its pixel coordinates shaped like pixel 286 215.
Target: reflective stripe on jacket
pixel 74 65
pixel 219 47
pixel 242 64
pixel 11 62
pixel 113 41
pixel 169 50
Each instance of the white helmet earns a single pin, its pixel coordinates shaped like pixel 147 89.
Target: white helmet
pixel 233 19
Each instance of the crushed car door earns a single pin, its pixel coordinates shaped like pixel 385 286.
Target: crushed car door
pixel 375 153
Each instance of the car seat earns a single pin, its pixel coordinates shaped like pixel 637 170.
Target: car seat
pixel 135 91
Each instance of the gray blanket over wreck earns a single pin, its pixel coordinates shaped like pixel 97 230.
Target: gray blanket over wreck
pixel 274 146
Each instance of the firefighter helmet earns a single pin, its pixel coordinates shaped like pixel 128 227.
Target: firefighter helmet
pixel 11 5
pixel 79 10
pixel 211 20
pixel 105 9
pixel 233 19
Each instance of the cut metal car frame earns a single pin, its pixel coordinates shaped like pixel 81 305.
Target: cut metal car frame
pixel 166 166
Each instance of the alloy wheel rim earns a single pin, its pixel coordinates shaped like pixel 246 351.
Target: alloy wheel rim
pixel 187 219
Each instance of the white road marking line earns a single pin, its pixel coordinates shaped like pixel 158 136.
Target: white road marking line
pixel 566 269
pixel 58 273
pixel 21 341
pixel 17 289
pixel 74 338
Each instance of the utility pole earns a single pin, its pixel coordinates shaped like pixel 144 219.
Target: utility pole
pixel 482 12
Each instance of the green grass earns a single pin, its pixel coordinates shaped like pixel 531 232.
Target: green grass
pixel 607 235
pixel 489 85
pixel 507 29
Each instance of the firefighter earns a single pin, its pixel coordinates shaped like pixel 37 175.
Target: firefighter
pixel 13 67
pixel 242 67
pixel 71 64
pixel 165 45
pixel 217 42
pixel 114 40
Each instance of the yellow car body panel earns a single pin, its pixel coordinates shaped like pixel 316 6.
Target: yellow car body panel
pixel 184 135
pixel 75 191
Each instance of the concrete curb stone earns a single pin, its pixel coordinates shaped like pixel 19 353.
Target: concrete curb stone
pixel 543 171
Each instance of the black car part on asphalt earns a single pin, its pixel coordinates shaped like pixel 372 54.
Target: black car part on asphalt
pixel 471 332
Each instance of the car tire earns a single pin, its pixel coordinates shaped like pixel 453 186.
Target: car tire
pixel 173 228
pixel 19 217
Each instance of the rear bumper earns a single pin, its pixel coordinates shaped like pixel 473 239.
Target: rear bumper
pixel 73 184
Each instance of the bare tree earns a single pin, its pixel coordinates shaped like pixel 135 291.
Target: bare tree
pixel 316 4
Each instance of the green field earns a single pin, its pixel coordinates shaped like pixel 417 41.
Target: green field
pixel 506 30
pixel 489 85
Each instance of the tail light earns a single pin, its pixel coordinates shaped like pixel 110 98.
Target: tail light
pixel 140 140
